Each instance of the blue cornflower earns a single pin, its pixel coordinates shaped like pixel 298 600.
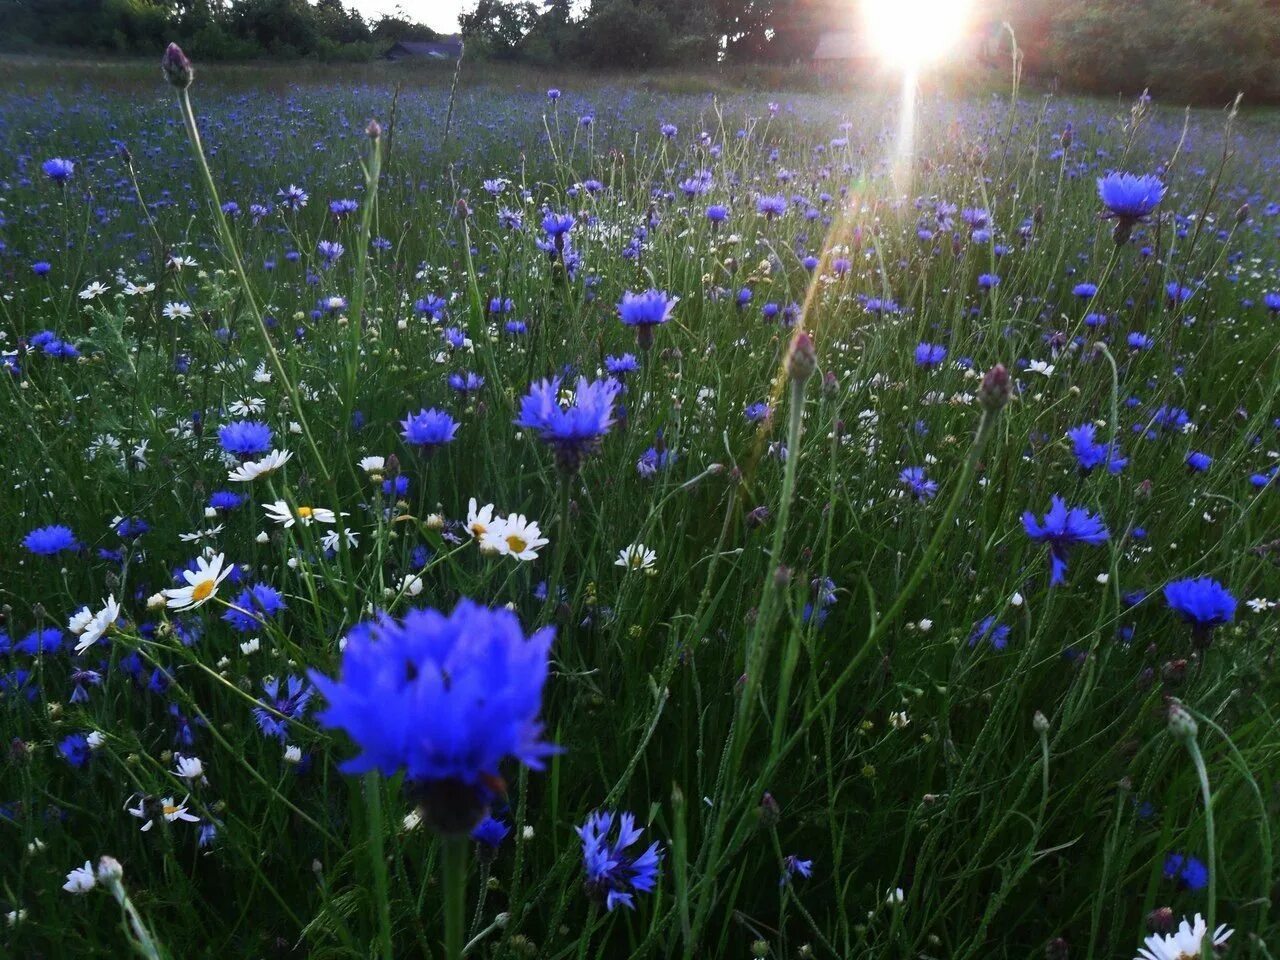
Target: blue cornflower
pixel 756 412
pixel 1190 872
pixel 997 634
pixel 445 698
pixel 41 640
pixel 792 865
pixel 245 438
pixel 1062 528
pixel 556 225
pixel 46 541
pixel 282 705
pixel 429 428
pixel 1085 291
pixel 465 383
pixel 988 281
pixel 253 607
pixel 58 170
pixel 489 834
pixel 930 354
pixel 225 500
pixel 717 213
pixel 921 487
pixel 612 874
pixel 1198 462
pixel 1089 453
pixel 1271 301
pixel 330 250
pixel 573 431
pixel 627 363
pixel 75 750
pixel 1202 602
pixel 41 268
pixel 1139 341
pixel 644 311
pixel 1129 199
pixel 771 207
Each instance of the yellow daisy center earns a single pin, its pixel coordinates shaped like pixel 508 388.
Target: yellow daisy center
pixel 516 544
pixel 202 590
pixel 305 512
pixel 170 809
pixel 478 529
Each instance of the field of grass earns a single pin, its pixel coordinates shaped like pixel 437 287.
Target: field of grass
pixel 802 596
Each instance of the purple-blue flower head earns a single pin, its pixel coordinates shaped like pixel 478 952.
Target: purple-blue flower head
pixel 644 311
pixel 1062 528
pixel 245 438
pixel 613 874
pixel 930 354
pixel 573 430
pixel 921 487
pixel 444 698
pixel 1130 198
pixel 58 170
pixel 429 428
pixel 1201 601
pixel 253 607
pixel 46 541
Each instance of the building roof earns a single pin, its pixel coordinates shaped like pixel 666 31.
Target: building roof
pixel 448 48
pixel 841 45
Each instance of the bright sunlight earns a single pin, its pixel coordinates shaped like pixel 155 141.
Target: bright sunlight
pixel 910 33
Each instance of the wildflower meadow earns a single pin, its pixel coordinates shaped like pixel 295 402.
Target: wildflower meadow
pixel 576 519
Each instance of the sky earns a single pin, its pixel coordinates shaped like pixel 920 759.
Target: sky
pixel 440 15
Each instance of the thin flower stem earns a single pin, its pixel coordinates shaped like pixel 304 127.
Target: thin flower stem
pixel 378 862
pixel 455 894
pixel 1193 748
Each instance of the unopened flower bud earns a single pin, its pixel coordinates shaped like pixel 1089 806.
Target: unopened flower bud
pixel 177 68
pixel 1040 722
pixel 374 130
pixel 109 869
pixel 1057 949
pixel 993 394
pixel 770 812
pixel 1160 920
pixel 1243 213
pixel 803 358
pixel 1181 724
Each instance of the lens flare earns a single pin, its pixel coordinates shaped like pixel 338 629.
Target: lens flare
pixel 911 33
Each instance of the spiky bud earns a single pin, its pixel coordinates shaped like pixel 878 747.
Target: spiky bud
pixel 1181 724
pixel 374 130
pixel 1242 214
pixel 802 361
pixel 995 389
pixel 1160 920
pixel 177 67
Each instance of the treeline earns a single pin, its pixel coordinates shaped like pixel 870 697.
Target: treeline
pixel 206 29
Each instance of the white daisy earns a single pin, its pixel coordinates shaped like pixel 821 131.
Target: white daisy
pixel 516 536
pixel 202 583
pixel 1184 944
pixel 176 311
pixel 373 464
pixel 253 469
pixel 292 754
pixel 81 879
pixel 281 513
pixel 1040 367
pixel 189 768
pixel 137 290
pixel 330 540
pixel 91 630
pixel 637 557
pixel 244 408
pixel 94 290
pixel 478 520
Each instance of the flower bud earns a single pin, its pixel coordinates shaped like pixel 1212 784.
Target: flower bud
pixel 177 68
pixel 374 130
pixel 1242 214
pixel 1181 724
pixel 802 361
pixel 109 869
pixel 1160 920
pixel 1040 722
pixel 995 389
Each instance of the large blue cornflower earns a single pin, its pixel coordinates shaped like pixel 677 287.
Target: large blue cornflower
pixel 1129 198
pixel 644 311
pixel 921 487
pixel 771 207
pixel 1202 602
pixel 429 428
pixel 930 354
pixel 58 170
pixel 572 431
pixel 995 633
pixel 445 698
pixel 612 873
pixel 46 541
pixel 245 438
pixel 1062 528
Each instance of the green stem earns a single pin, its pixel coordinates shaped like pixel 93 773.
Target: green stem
pixel 377 860
pixel 1193 748
pixel 455 894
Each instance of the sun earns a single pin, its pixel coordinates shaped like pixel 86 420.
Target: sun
pixel 911 33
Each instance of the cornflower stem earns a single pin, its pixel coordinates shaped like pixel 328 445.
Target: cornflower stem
pixel 455 894
pixel 143 941
pixel 562 547
pixel 584 941
pixel 373 173
pixel 233 252
pixel 378 861
pixel 1197 758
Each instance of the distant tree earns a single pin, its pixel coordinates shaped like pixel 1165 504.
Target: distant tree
pixel 498 28
pixel 625 33
pixel 391 28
